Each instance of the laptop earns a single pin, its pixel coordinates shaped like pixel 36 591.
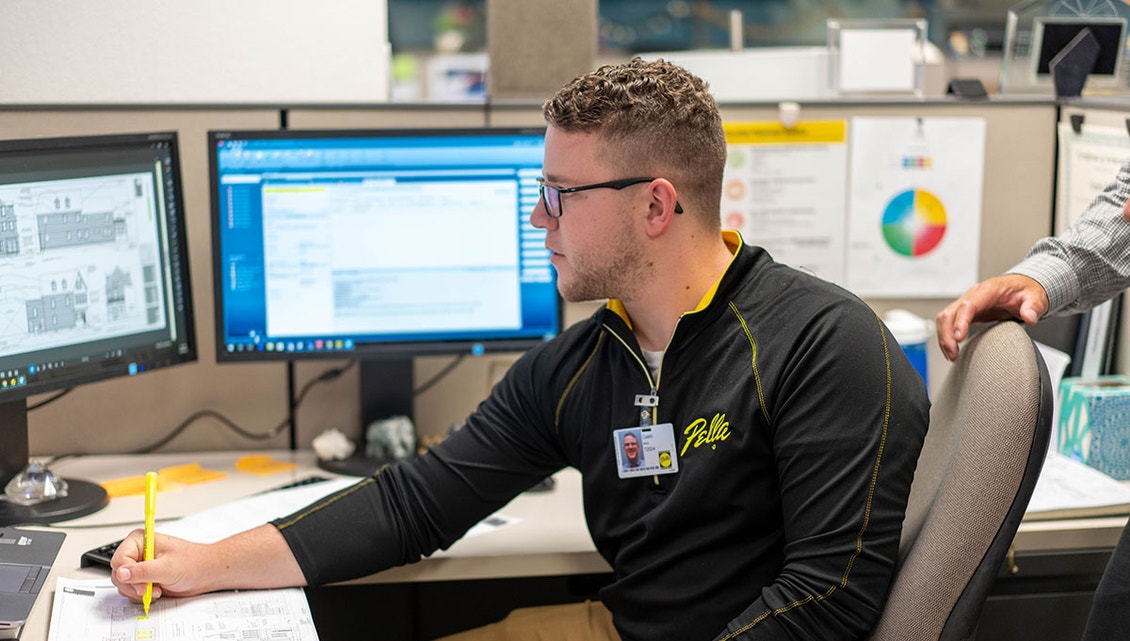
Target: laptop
pixel 25 560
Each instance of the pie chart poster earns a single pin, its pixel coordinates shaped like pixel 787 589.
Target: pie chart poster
pixel 914 206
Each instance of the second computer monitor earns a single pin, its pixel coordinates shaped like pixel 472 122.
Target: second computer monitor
pixel 378 244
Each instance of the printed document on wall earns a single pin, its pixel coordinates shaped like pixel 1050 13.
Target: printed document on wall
pixel 1088 162
pixel 914 215
pixel 784 189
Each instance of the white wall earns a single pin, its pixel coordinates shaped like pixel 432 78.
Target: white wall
pixel 193 51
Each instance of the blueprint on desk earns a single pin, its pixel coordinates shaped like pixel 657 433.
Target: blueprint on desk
pixel 92 610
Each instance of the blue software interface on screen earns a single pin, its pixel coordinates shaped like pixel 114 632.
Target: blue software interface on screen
pixel 370 241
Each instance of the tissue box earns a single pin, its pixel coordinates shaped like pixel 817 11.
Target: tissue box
pixel 1094 423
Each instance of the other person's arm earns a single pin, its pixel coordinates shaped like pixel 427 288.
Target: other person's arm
pixel 1084 266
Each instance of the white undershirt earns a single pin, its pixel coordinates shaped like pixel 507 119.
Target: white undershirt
pixel 653 360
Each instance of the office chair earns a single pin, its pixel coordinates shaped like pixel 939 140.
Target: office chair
pixel 989 430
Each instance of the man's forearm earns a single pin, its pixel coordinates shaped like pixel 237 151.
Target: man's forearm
pixel 257 558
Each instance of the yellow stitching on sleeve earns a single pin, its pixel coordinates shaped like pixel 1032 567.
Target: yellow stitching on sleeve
pixel 753 362
pixel 867 510
pixel 326 502
pixel 572 382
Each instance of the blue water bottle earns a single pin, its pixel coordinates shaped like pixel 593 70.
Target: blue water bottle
pixel 911 332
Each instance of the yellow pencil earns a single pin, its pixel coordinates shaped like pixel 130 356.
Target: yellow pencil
pixel 150 509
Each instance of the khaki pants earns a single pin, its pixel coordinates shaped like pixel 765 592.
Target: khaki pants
pixel 588 621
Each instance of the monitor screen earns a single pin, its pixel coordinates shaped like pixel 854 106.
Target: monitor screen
pixel 94 278
pixel 1053 34
pixel 378 245
pixel 361 244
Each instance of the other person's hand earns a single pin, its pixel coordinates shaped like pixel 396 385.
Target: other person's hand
pixel 998 298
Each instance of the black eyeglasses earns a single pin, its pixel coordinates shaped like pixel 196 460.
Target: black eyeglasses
pixel 551 195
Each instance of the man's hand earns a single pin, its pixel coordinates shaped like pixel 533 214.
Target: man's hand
pixel 174 570
pixel 257 558
pixel 1007 296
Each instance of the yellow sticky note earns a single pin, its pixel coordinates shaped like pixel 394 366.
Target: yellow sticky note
pixel 189 474
pixel 133 486
pixel 262 465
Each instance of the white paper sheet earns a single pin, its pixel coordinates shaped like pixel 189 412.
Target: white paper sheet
pixel 236 516
pixel 785 189
pixel 1088 162
pixel 914 226
pixel 92 610
pixel 877 59
pixel 1057 363
pixel 1068 485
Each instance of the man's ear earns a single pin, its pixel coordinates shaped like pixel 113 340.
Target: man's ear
pixel 663 207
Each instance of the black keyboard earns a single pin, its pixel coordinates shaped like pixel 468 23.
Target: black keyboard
pixel 101 555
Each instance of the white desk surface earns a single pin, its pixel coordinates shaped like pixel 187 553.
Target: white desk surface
pixel 550 537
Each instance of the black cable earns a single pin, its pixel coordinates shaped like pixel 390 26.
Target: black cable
pixel 54 398
pixel 327 375
pixel 428 384
pixel 195 416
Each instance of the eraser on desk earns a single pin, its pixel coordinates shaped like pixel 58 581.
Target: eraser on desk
pixel 1094 423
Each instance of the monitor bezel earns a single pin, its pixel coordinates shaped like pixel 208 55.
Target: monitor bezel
pixel 390 350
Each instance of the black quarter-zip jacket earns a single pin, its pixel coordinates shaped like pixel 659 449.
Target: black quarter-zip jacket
pixel 797 420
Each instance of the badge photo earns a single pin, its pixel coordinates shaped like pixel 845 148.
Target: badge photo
pixel 644 451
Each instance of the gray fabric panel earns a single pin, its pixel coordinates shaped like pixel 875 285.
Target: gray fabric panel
pixel 981 428
pixel 535 47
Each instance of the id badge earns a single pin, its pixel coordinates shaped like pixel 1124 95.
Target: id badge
pixel 645 451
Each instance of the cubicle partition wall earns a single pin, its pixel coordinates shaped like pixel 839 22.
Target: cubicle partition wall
pixel 1094 142
pixel 128 414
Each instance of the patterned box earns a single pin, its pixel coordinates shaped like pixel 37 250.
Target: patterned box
pixel 1094 423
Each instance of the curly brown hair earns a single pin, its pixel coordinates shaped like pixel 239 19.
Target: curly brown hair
pixel 655 118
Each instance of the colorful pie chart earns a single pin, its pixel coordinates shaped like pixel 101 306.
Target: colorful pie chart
pixel 914 222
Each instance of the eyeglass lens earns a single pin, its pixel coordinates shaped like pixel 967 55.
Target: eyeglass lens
pixel 552 199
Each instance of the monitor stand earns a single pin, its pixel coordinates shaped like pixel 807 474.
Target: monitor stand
pixel 83 497
pixel 387 389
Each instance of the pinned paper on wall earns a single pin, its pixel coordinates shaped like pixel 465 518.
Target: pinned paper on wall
pixel 785 189
pixel 1088 161
pixel 914 216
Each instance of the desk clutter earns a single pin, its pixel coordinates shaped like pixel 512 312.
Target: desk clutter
pixel 1094 423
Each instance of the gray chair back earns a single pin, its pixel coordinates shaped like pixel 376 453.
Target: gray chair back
pixel 989 428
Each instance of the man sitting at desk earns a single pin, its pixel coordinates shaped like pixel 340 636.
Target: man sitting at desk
pixel 789 420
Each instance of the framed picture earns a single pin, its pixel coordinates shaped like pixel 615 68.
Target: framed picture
pixel 876 56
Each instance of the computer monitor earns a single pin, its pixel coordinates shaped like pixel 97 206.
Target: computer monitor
pixel 1051 34
pixel 94 280
pixel 378 245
